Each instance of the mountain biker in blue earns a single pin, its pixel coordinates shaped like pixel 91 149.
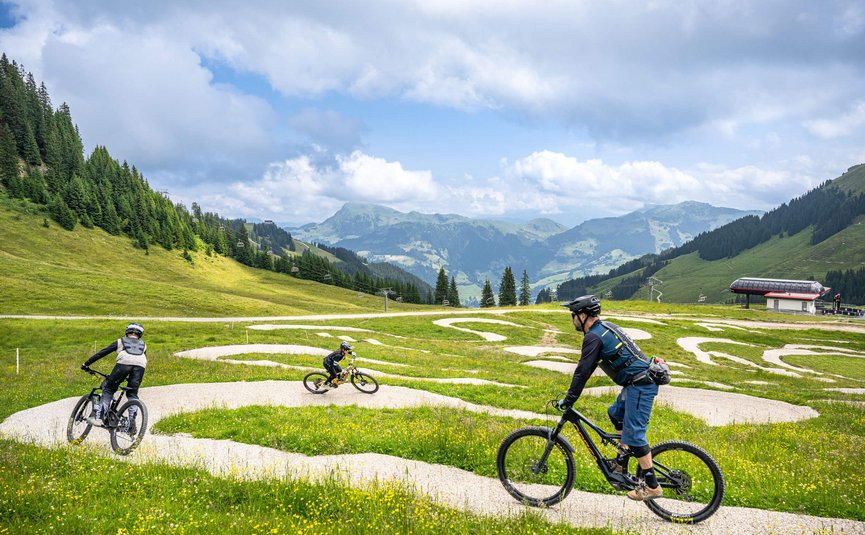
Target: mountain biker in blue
pixel 130 364
pixel 608 346
pixel 330 363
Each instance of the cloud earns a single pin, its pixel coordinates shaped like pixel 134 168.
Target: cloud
pixel 329 128
pixel 840 126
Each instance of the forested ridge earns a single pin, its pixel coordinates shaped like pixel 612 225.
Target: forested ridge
pixel 42 160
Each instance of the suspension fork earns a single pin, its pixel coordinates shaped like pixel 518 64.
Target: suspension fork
pixel 541 465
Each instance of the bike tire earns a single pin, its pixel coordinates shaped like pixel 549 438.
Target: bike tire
pixel 517 467
pixel 314 382
pixel 123 439
pixel 77 428
pixel 364 383
pixel 692 481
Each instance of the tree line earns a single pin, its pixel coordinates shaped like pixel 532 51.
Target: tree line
pixel 42 159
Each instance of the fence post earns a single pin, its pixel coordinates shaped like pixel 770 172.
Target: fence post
pixel 16 361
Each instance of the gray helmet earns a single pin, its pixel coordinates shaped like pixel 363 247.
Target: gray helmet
pixel 588 304
pixel 136 328
pixel 345 346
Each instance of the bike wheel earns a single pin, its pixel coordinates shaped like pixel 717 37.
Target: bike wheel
pixel 128 433
pixel 525 477
pixel 77 429
pixel 314 382
pixel 364 383
pixel 692 481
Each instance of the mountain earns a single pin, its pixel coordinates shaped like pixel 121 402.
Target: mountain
pixel 819 235
pixel 473 250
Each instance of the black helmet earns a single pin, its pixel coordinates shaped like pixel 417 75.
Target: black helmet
pixel 135 328
pixel 345 346
pixel 588 304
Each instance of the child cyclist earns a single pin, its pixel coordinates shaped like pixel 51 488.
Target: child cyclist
pixel 130 364
pixel 330 363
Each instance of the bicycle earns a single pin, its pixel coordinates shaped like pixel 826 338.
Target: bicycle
pixel 125 434
pixel 536 466
pixel 314 381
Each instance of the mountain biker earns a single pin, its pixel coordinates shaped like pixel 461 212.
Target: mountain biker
pixel 608 346
pixel 330 363
pixel 131 361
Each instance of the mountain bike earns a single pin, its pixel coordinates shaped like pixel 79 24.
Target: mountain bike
pixel 536 466
pixel 314 382
pixel 126 430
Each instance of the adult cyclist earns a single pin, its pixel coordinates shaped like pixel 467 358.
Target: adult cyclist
pixel 330 363
pixel 608 346
pixel 130 364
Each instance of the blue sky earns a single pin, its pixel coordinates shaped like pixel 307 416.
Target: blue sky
pixel 495 109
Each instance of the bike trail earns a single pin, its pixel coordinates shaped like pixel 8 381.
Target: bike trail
pixel 46 425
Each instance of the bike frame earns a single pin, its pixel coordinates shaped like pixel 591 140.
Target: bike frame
pixel 619 481
pixel 112 419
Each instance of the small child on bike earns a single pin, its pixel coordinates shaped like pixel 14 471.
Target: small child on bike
pixel 330 364
pixel 130 364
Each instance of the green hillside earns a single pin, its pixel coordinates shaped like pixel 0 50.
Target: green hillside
pixel 88 271
pixel 790 257
pixel 818 235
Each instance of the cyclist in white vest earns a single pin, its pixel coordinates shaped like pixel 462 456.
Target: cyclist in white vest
pixel 131 362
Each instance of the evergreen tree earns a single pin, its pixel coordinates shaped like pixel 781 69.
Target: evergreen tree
pixel 508 289
pixel 441 289
pixel 525 290
pixel 453 294
pixel 543 297
pixel 9 167
pixel 61 213
pixel 487 298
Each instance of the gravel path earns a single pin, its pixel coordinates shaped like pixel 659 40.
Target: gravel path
pixel 45 425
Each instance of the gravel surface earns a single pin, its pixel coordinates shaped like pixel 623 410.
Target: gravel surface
pixel 45 425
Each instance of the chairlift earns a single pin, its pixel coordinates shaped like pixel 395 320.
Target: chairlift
pixel 295 269
pixel 446 303
pixel 240 243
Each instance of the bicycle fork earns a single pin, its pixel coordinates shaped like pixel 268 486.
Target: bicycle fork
pixel 540 467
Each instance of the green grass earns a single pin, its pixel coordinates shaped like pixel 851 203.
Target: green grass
pixel 64 490
pixel 90 272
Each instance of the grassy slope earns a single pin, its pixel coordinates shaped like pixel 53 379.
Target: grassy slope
pixel 53 271
pixel 790 257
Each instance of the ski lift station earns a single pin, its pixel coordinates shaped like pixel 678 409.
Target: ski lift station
pixel 782 295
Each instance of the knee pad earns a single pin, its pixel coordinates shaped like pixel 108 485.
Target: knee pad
pixel 640 451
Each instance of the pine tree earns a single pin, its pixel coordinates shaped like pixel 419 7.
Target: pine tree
pixel 508 289
pixel 441 290
pixel 9 167
pixel 525 290
pixel 453 294
pixel 61 213
pixel 487 299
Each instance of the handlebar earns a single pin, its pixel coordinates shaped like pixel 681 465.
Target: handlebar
pixel 91 371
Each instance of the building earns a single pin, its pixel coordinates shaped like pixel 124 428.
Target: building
pixel 782 295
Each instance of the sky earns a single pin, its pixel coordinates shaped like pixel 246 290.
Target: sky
pixel 569 110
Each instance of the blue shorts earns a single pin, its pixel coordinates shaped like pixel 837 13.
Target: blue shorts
pixel 631 411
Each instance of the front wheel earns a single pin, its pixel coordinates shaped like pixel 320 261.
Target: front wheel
pixel 692 481
pixel 78 428
pixel 534 469
pixel 130 428
pixel 364 383
pixel 314 382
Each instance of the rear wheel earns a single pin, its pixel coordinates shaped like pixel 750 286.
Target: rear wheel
pixel 130 429
pixel 692 481
pixel 314 382
pixel 77 429
pixel 535 470
pixel 364 383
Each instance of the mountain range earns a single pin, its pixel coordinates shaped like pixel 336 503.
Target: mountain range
pixel 474 250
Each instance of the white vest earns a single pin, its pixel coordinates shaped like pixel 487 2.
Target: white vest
pixel 131 351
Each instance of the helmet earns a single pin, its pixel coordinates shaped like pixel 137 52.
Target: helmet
pixel 588 304
pixel 135 328
pixel 345 346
